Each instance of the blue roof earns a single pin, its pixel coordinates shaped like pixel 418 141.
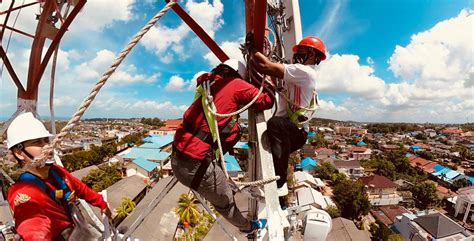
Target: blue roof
pixel 442 171
pixel 147 153
pixel 438 168
pixel 308 161
pixel 145 164
pixel 160 140
pixel 150 145
pixel 361 143
pixel 231 163
pixel 452 174
pixel 311 134
pixel 415 147
pixel 241 145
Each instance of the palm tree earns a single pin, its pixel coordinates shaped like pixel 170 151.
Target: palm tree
pixel 126 207
pixel 187 209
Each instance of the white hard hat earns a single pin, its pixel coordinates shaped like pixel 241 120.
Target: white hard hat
pixel 25 127
pixel 238 66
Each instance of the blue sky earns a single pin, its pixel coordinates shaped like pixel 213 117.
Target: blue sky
pixel 390 61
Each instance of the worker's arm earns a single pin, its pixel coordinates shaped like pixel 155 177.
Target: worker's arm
pixel 245 92
pixel 31 223
pixel 263 65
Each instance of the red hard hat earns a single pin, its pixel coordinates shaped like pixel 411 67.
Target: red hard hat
pixel 312 42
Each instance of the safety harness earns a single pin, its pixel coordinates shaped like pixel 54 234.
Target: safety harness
pixel 298 116
pixel 62 196
pixel 208 137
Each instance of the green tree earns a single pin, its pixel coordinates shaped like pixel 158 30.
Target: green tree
pixel 460 183
pixel 125 208
pixel 103 177
pixel 379 231
pixel 325 171
pixel 425 195
pixel 352 199
pixel 395 237
pixel 333 211
pixel 319 140
pixel 187 209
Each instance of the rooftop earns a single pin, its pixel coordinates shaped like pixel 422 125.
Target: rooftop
pixel 146 164
pixel 377 182
pixel 438 225
pixel 345 230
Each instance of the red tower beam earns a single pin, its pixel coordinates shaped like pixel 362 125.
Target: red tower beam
pixel 211 44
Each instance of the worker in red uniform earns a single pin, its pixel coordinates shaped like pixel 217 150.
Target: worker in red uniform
pixel 193 159
pixel 41 195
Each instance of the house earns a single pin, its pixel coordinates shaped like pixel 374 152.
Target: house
pixel 360 152
pixel 232 166
pixel 308 151
pixel 350 168
pixel 380 190
pixel 324 152
pixel 306 195
pixel 151 154
pixel 390 148
pixel 361 143
pixel 345 230
pixel 81 173
pixel 423 146
pixel 308 164
pixel 169 128
pixel 451 132
pixel 143 167
pixel 133 187
pixel 388 214
pixel 464 201
pixel 428 226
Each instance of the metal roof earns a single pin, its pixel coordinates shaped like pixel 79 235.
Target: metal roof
pixel 231 163
pixel 145 164
pixel 147 153
pixel 438 225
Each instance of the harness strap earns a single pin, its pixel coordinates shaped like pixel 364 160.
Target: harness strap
pixel 61 196
pixel 204 135
pixel 298 116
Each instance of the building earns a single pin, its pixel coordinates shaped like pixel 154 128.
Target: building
pixel 381 191
pixel 360 152
pixel 169 128
pixel 343 130
pixel 345 230
pixel 388 214
pixel 428 226
pixel 308 164
pixel 142 167
pixel 464 202
pixel 350 168
pixel 323 152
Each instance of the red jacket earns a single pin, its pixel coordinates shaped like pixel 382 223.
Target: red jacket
pixel 37 215
pixel 229 95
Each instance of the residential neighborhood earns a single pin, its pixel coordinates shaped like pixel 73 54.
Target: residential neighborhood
pixel 377 181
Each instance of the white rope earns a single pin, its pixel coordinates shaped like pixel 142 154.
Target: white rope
pixel 88 100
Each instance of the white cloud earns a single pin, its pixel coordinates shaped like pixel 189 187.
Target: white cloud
pixel 176 83
pixel 166 42
pixel 102 13
pixel 343 73
pixel 123 75
pixel 230 48
pixel 439 57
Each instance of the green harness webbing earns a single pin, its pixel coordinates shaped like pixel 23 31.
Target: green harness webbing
pixel 210 117
pixel 298 116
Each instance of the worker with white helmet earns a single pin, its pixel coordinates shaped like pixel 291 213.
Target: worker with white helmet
pixel 193 158
pixel 42 196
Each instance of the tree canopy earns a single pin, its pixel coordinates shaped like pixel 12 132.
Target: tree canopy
pixel 103 177
pixel 351 198
pixel 425 195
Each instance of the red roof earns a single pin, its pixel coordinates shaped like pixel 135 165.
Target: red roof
pixel 442 190
pixel 429 167
pixel 358 149
pixel 388 214
pixel 451 131
pixel 423 146
pixel 378 182
pixel 416 161
pixel 171 125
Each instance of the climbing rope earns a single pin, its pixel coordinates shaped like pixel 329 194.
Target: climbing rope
pixel 88 100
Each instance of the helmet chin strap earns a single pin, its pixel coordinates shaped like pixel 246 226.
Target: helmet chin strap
pixel 32 158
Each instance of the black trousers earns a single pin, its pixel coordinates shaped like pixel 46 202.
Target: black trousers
pixel 285 137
